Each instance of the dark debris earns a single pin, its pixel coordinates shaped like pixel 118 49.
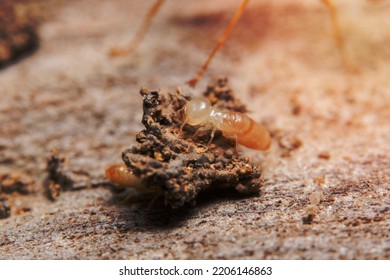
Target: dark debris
pixel 308 219
pixel 61 177
pixel 16 182
pixel 18 34
pixel 221 95
pixel 5 209
pixel 181 163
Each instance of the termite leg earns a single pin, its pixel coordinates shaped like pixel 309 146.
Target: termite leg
pixel 201 130
pixel 183 124
pixel 221 41
pixel 236 139
pixel 153 201
pixel 182 111
pixel 233 136
pixel 139 36
pixel 336 29
pixel 211 136
pixel 140 195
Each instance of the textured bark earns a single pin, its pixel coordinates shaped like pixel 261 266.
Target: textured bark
pixel 326 177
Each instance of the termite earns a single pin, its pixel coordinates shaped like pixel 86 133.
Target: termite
pixel 239 126
pixel 121 176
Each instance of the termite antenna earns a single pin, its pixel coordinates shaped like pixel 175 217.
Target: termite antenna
pixel 139 36
pixel 221 41
pixel 339 40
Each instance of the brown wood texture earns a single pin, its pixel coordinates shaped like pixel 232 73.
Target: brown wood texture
pixel 326 192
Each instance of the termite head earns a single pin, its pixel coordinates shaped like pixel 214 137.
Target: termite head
pixel 121 175
pixel 197 111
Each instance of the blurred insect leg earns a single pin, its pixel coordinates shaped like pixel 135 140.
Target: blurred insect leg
pixel 211 136
pixel 201 130
pixel 336 29
pixel 233 137
pixel 182 112
pixel 221 41
pixel 183 124
pixel 153 201
pixel 139 36
pixel 236 141
pixel 136 196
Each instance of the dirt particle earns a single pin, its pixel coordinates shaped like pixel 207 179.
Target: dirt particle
pixel 58 178
pixel 287 141
pixel 5 209
pixel 315 197
pixel 324 155
pixel 221 95
pixel 296 106
pixel 319 180
pixel 22 210
pixel 308 219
